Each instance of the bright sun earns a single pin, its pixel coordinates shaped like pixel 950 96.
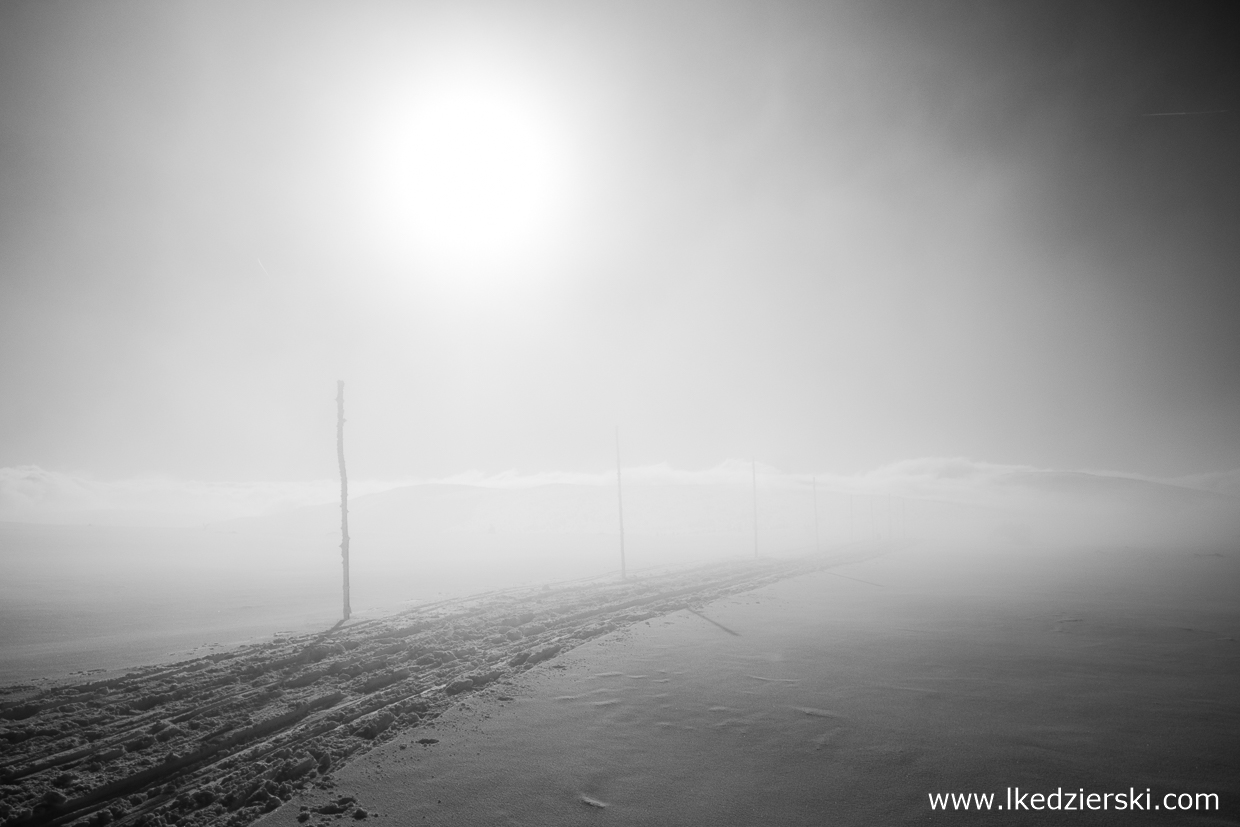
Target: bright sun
pixel 484 175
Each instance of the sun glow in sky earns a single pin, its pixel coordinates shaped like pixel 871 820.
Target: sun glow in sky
pixel 482 173
pixel 467 171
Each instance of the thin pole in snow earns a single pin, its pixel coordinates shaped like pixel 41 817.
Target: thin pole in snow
pixel 753 466
pixel 620 503
pixel 814 489
pixel 344 494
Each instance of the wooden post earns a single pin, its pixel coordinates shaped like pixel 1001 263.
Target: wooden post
pixel 753 466
pixel 814 484
pixel 344 494
pixel 620 503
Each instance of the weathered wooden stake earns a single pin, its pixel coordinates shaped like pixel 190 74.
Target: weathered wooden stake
pixel 753 466
pixel 620 503
pixel 814 484
pixel 344 494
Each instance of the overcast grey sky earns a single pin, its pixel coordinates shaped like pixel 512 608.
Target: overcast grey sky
pixel 829 235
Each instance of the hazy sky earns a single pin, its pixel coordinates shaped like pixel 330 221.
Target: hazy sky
pixel 828 235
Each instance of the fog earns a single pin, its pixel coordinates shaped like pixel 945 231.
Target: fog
pixel 146 569
pixel 937 498
pixel 839 272
pixel 749 410
pixel 830 236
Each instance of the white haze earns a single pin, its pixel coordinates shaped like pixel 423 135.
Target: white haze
pixel 107 573
pixel 831 235
pixel 1059 506
pixel 856 240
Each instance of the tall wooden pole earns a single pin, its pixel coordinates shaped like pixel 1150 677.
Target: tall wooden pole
pixel 620 503
pixel 753 466
pixel 344 494
pixel 814 484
